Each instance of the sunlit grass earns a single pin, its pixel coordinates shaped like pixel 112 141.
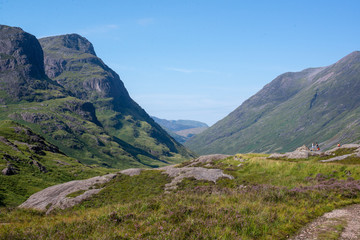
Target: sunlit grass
pixel 268 199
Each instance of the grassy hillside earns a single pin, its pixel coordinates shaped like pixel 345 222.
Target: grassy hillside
pixel 71 61
pixel 315 105
pixel 181 130
pixel 34 164
pixel 84 109
pixel 267 199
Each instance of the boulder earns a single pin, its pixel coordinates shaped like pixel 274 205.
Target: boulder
pixel 57 196
pixel 207 159
pixel 199 173
pixel 9 170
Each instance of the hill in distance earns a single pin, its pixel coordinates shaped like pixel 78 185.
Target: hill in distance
pixel 62 91
pixel 314 105
pixel 181 130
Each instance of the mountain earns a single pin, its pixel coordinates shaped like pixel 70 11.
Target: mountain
pixel 66 94
pixel 314 105
pixel 181 130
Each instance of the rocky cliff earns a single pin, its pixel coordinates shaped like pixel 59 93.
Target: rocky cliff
pixel 22 74
pixel 78 103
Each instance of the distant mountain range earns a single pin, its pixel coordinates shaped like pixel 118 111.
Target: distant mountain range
pixel 181 130
pixel 61 90
pixel 314 105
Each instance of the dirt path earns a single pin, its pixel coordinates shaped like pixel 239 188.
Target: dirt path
pixel 343 224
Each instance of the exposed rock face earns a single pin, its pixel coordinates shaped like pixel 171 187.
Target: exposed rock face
pixel 20 50
pixel 329 152
pixel 56 196
pixel 21 65
pixel 71 61
pixel 207 159
pixel 132 171
pixel 337 158
pixel 301 152
pixel 69 57
pixel 199 173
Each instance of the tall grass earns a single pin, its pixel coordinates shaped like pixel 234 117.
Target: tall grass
pixel 252 206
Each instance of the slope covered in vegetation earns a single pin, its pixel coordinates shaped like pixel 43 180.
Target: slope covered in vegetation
pixel 314 105
pixel 267 199
pixel 30 164
pixel 83 108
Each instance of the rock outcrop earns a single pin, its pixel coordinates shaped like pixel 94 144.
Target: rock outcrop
pixel 22 67
pixel 199 173
pixel 301 152
pixel 58 196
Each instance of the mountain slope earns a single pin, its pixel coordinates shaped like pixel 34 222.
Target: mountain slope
pixel 181 130
pixel 319 104
pixel 72 62
pixel 86 111
pixel 28 164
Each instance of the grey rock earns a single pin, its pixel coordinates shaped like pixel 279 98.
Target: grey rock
pixel 337 158
pixel 55 197
pixel 300 153
pixel 199 173
pixel 208 159
pixel 39 166
pixel 9 170
pixel 351 145
pixel 132 171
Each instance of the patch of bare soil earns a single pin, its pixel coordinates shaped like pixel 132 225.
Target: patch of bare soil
pixel 343 224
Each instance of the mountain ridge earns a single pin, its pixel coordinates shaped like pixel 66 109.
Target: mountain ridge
pixel 84 109
pixel 293 109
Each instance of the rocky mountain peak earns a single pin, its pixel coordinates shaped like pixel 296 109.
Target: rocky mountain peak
pixel 20 53
pixel 69 42
pixel 350 58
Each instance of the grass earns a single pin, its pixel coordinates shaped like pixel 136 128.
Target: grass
pixel 268 199
pixel 16 150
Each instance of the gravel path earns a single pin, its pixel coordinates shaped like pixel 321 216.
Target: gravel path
pixel 343 224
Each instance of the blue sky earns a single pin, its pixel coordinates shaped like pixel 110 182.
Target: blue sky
pixel 198 59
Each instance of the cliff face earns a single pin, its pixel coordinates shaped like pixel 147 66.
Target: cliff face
pixel 314 105
pixel 85 109
pixel 72 62
pixel 21 53
pixel 22 72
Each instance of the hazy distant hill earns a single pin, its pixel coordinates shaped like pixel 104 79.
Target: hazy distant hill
pixel 316 104
pixel 181 130
pixel 64 92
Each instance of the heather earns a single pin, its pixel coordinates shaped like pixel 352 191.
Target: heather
pixel 267 199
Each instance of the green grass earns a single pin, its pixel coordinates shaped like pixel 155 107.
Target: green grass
pixel 16 151
pixel 268 199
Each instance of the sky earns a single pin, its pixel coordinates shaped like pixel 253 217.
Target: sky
pixel 198 59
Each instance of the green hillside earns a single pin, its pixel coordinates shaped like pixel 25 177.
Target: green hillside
pixel 315 105
pixel 83 108
pixel 30 164
pixel 181 130
pixel 267 199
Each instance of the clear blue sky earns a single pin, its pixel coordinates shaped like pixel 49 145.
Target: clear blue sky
pixel 198 59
